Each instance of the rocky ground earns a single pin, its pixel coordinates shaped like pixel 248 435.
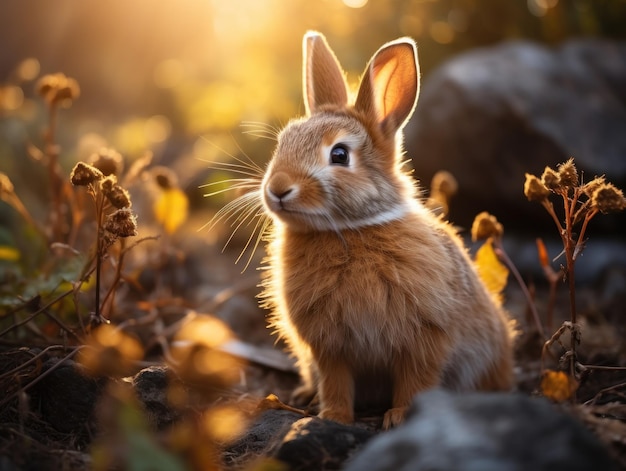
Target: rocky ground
pixel 53 416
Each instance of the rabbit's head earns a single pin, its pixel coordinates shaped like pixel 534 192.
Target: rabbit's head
pixel 340 167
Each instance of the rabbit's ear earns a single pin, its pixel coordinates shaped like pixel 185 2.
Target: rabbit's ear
pixel 324 82
pixel 390 85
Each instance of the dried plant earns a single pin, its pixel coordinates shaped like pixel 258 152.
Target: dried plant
pixel 57 90
pixel 581 203
pixel 114 218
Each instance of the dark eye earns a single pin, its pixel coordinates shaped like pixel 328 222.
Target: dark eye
pixel 339 155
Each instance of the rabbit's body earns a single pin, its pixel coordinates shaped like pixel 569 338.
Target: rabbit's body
pixel 363 304
pixel 376 296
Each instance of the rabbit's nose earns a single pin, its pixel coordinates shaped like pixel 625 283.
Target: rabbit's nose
pixel 280 186
pixel 282 194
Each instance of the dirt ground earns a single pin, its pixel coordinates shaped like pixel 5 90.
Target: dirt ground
pixel 30 420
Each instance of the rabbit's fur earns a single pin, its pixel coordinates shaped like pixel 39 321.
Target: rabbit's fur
pixel 375 296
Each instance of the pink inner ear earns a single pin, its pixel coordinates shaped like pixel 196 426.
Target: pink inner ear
pixel 394 80
pixel 386 92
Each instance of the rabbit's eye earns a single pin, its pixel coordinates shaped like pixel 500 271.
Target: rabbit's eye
pixel 339 155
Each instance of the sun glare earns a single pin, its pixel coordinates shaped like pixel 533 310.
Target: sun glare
pixel 355 3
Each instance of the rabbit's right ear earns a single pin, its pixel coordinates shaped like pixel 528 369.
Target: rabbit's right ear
pixel 324 81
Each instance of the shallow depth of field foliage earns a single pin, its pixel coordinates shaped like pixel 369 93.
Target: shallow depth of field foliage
pixel 110 113
pixel 179 78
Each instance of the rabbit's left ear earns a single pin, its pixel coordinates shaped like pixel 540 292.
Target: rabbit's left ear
pixel 390 85
pixel 324 81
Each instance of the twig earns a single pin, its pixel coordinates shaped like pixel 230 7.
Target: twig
pixel 516 274
pixel 41 376
pixel 32 360
pixel 604 391
pixel 36 313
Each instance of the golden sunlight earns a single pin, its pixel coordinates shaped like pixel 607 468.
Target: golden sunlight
pixel 355 3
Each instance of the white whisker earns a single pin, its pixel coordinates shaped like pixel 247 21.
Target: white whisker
pixel 247 209
pixel 242 184
pixel 261 130
pixel 248 216
pixel 236 168
pixel 231 209
pixel 261 222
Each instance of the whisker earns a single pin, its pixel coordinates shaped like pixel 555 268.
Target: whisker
pixel 248 216
pixel 224 190
pixel 237 168
pixel 246 210
pixel 234 184
pixel 265 222
pixel 248 164
pixel 259 219
pixel 260 129
pixel 261 134
pixel 231 209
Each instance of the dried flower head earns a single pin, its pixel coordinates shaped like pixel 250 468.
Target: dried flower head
pixel 485 226
pixel 568 174
pixel 122 223
pixel 84 174
pixel 107 183
pixel 116 195
pixel 108 161
pixel 534 189
pixel 551 179
pixel 590 187
pixel 165 177
pixel 608 199
pixel 56 88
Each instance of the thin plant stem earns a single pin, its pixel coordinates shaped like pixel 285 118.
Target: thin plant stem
pixel 516 274
pixel 109 298
pixel 52 153
pixel 99 210
pixel 570 261
pixel 583 229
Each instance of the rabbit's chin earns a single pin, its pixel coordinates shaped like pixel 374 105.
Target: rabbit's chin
pixel 322 221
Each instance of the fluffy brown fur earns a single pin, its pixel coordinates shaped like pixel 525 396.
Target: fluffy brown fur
pixel 374 295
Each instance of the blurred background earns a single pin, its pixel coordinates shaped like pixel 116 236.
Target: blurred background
pixel 179 77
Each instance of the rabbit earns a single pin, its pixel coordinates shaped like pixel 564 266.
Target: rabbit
pixel 374 294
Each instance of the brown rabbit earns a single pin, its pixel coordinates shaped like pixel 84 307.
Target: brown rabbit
pixel 374 295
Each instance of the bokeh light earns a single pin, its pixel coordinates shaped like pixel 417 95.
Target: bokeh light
pixel 164 77
pixel 355 3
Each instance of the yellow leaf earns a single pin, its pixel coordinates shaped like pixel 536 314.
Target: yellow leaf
pixel 170 209
pixel 9 253
pixel 557 386
pixel 493 273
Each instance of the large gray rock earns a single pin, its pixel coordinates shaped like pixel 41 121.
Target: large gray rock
pixel 484 432
pixel 490 115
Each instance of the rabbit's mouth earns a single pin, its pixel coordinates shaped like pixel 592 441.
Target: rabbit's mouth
pixel 299 218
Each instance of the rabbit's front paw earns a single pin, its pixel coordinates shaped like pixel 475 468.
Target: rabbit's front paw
pixel 341 416
pixel 394 417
